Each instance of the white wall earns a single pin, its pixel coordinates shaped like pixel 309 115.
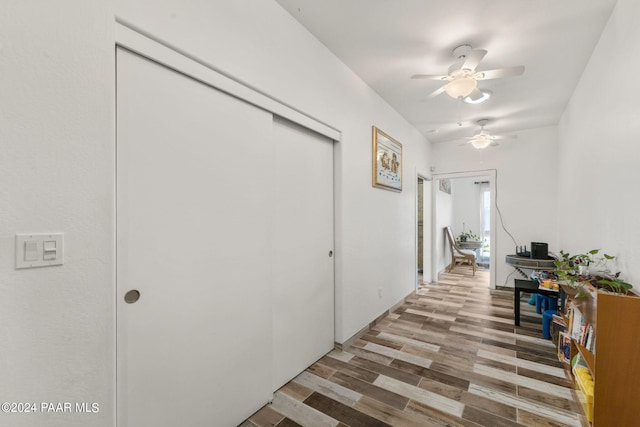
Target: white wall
pixel 599 149
pixel 57 175
pixel 261 44
pixel 526 188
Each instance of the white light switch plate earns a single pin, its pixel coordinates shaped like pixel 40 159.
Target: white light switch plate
pixel 30 250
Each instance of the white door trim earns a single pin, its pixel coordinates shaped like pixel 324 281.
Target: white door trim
pixel 425 223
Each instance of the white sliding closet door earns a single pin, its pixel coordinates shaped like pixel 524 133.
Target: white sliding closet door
pixel 194 169
pixel 303 322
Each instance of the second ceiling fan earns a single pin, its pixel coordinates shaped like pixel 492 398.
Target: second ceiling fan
pixel 462 80
pixel 484 139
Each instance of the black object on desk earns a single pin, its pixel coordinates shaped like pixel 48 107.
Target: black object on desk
pixel 531 286
pixel 539 250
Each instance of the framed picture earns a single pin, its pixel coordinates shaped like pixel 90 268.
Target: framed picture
pixel 387 161
pixel 445 185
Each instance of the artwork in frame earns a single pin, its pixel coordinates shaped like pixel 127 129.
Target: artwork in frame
pixel 387 161
pixel 445 185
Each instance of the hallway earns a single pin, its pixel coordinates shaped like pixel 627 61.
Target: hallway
pixel 449 356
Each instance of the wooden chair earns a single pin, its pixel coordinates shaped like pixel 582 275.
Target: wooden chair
pixel 459 255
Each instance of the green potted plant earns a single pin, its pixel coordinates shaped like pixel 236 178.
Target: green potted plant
pixel 589 267
pixel 468 236
pixel 614 285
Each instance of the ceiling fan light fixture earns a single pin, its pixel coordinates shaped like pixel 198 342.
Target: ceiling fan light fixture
pixel 479 97
pixel 480 142
pixel 460 87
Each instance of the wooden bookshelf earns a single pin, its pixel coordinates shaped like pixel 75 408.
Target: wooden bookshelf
pixel 614 362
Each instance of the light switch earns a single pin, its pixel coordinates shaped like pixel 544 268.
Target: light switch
pixel 39 250
pixel 31 250
pixel 49 251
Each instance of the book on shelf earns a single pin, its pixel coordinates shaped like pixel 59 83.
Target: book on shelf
pixel 564 347
pixel 577 325
pixel 570 316
pixel 590 339
pixel 584 333
pixel 587 337
pixel 567 306
pixel 559 320
pixel 580 330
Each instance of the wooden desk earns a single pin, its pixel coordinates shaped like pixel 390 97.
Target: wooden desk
pixel 531 287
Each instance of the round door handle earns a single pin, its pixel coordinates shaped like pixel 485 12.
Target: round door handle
pixel 330 254
pixel 132 296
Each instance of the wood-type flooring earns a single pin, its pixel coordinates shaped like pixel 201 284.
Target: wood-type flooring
pixel 449 356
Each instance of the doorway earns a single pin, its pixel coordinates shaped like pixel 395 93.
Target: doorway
pixel 465 201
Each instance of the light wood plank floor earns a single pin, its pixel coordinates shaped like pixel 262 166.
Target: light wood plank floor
pixel 449 356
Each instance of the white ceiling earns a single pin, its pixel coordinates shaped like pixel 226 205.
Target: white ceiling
pixel 385 42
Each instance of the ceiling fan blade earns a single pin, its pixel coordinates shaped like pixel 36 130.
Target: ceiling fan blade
pixel 504 137
pixel 499 73
pixel 436 92
pixel 473 59
pixel 429 77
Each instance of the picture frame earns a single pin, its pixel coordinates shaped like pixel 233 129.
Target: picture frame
pixel 445 185
pixel 387 161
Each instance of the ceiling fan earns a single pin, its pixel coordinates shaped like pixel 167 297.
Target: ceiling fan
pixel 484 139
pixel 463 79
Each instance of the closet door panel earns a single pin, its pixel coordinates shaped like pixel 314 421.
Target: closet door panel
pixel 193 182
pixel 303 277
